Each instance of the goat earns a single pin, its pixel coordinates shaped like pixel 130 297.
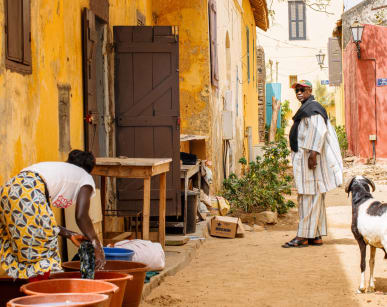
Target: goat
pixel 369 224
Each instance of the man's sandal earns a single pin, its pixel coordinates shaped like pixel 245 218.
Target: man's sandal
pixel 317 241
pixel 296 243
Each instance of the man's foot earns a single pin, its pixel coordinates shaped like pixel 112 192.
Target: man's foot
pixel 317 241
pixel 296 242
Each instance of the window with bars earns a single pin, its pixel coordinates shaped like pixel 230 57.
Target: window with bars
pixel 18 35
pixel 297 20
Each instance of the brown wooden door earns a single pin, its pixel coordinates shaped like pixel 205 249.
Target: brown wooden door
pixel 147 109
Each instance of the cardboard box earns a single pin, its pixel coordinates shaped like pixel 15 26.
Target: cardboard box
pixel 224 226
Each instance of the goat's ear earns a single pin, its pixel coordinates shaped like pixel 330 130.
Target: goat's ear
pixel 370 182
pixel 348 185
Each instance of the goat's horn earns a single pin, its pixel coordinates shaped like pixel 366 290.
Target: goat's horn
pixel 370 182
pixel 348 185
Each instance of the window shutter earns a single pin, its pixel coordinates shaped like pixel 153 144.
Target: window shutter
pixel 213 42
pixel 334 62
pixel 297 20
pixel 14 30
pixel 26 32
pixel 248 53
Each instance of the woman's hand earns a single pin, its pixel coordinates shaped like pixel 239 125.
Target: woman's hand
pixel 99 255
pixel 77 239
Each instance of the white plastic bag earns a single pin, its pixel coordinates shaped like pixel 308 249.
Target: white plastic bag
pixel 146 252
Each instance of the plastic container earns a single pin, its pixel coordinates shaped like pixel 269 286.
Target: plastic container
pixel 56 286
pixel 90 300
pixel 134 287
pixel 114 253
pixel 117 278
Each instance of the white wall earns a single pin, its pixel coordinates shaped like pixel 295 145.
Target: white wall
pixel 230 71
pixel 297 57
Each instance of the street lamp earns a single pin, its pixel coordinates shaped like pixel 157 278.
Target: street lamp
pixel 357 33
pixel 320 59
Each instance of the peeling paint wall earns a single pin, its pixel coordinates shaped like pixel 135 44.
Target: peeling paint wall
pixel 194 67
pixel 29 126
pixel 201 104
pixel 228 96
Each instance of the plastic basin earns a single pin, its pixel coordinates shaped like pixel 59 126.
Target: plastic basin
pixel 114 253
pixel 91 300
pixel 132 297
pixel 10 289
pixel 117 278
pixel 56 286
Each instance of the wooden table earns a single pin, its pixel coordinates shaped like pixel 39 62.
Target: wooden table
pixel 186 172
pixel 137 168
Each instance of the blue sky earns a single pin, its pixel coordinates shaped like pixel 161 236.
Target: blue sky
pixel 348 4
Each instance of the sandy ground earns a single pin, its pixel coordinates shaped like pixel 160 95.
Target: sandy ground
pixel 256 271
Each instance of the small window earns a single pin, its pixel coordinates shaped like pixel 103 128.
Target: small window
pixel 292 80
pixel 18 35
pixel 297 20
pixel 248 53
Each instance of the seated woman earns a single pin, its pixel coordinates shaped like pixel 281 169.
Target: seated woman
pixel 28 230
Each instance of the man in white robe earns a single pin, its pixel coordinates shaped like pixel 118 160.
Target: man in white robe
pixel 317 166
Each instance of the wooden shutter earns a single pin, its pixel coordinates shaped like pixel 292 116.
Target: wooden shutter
pixel 297 20
pixel 26 32
pixel 248 53
pixel 213 42
pixel 14 30
pixel 334 62
pixel 90 83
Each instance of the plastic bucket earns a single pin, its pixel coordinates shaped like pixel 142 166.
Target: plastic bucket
pixel 134 287
pixel 90 300
pixel 114 253
pixel 117 278
pixel 56 286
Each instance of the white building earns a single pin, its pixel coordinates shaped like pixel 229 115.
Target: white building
pixel 296 34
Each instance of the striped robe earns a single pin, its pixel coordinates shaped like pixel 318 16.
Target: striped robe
pixel 314 134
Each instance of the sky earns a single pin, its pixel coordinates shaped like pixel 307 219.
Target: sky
pixel 348 4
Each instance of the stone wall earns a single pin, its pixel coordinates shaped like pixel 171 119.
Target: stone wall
pixel 366 12
pixel 261 84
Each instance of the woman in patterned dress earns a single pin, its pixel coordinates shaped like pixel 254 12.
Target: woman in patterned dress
pixel 28 230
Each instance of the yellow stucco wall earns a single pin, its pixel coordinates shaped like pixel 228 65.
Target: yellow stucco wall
pixel 192 21
pixel 29 130
pixel 250 94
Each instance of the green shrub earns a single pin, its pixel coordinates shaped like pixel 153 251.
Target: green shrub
pixel 265 183
pixel 342 137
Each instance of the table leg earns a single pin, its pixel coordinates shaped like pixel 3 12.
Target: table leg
pixel 146 209
pixel 162 205
pixel 185 204
pixel 103 202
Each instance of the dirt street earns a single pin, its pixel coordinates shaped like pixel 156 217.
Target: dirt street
pixel 256 271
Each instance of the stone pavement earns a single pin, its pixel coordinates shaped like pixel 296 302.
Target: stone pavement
pixel 177 257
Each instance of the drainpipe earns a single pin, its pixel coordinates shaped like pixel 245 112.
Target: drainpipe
pixel 373 137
